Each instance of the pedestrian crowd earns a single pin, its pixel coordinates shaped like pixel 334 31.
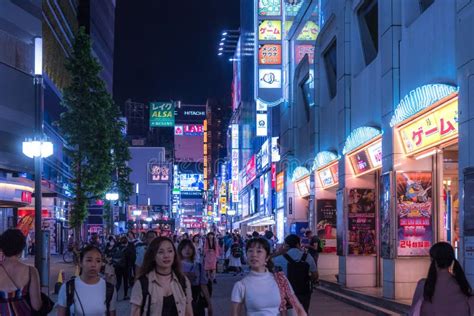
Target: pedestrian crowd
pixel 175 276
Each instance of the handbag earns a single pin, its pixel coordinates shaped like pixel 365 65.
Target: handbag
pixel 46 306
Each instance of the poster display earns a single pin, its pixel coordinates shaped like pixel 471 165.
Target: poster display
pixel 361 222
pixel 360 162
pixel 269 30
pixel 269 7
pixel 386 251
pixel 191 182
pixel 414 213
pixel 269 54
pixel 326 212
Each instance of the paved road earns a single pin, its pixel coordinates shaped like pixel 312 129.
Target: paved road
pixel 321 304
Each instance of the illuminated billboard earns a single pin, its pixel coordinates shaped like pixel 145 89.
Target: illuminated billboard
pixel 269 54
pixel 161 114
pixel 269 7
pixel 301 50
pixel 309 32
pixel 191 182
pixel 269 78
pixel 158 173
pixel 269 30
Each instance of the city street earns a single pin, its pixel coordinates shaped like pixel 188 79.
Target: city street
pixel 321 304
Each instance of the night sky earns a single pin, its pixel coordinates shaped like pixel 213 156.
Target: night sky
pixel 167 49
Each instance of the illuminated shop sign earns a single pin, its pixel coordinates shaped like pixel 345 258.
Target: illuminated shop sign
pixel 250 170
pixel 269 30
pixel 269 78
pixel 303 187
pixel 158 173
pixel 309 32
pixel 235 175
pixel 189 130
pixel 367 158
pixel 161 114
pixel 262 124
pixel 438 125
pixel 329 176
pixel 269 54
pixel 275 150
pixel 301 50
pixel 269 7
pixel 280 181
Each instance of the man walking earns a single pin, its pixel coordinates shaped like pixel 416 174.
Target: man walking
pixel 299 268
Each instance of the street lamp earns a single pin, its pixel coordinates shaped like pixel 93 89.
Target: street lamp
pixel 111 197
pixel 39 147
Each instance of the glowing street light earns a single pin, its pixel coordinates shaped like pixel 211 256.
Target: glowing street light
pixel 112 196
pixel 41 148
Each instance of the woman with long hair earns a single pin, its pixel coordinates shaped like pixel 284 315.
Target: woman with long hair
pixel 443 292
pixel 17 280
pixel 88 294
pixel 247 292
pixel 198 245
pixel 161 288
pixel 194 271
pixel 211 252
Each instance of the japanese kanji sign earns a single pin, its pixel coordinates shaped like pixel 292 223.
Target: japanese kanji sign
pixel 432 128
pixel 269 30
pixel 269 54
pixel 309 32
pixel 161 114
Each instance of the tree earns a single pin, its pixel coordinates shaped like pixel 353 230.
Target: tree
pixel 91 126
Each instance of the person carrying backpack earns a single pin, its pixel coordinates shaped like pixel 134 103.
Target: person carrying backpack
pixel 161 288
pixel 123 258
pixel 236 253
pixel 87 294
pixel 299 267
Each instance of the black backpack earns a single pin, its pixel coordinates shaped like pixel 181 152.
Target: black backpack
pixel 70 290
pixel 236 251
pixel 298 274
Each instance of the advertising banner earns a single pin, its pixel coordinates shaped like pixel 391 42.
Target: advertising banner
pixel 251 170
pixel 191 182
pixel 269 7
pixel 269 78
pixel 269 30
pixel 158 173
pixel 326 212
pixel 269 54
pixel 161 114
pixel 361 222
pixel 301 50
pixel 280 181
pixel 262 124
pixel 328 176
pixel 275 150
pixel 434 127
pixel 414 212
pixel 309 32
pixel 367 159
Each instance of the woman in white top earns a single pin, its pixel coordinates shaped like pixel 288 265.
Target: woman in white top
pixel 248 291
pixel 88 292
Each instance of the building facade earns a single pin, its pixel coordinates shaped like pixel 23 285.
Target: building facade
pixel 373 125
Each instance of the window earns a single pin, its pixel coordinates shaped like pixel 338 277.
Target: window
pixel 425 4
pixel 330 64
pixel 369 29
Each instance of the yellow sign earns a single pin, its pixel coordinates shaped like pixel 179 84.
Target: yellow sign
pixel 280 181
pixel 223 200
pixel 288 25
pixel 223 209
pixel 269 30
pixel 309 32
pixel 435 127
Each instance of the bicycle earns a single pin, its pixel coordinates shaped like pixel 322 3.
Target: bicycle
pixel 70 256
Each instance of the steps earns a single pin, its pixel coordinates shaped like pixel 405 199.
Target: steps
pixel 372 304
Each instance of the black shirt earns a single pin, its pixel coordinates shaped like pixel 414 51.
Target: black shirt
pixel 169 306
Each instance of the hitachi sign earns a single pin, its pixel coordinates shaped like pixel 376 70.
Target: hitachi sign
pixel 195 113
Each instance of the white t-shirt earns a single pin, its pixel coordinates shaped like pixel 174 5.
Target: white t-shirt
pixel 92 297
pixel 249 290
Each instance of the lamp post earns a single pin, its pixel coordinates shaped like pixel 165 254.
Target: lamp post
pixel 111 197
pixel 38 148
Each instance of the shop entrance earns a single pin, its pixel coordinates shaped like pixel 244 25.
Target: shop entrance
pixel 449 202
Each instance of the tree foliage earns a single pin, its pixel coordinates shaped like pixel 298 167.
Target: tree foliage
pixel 92 127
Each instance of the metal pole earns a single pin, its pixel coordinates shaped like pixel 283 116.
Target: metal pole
pixel 39 112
